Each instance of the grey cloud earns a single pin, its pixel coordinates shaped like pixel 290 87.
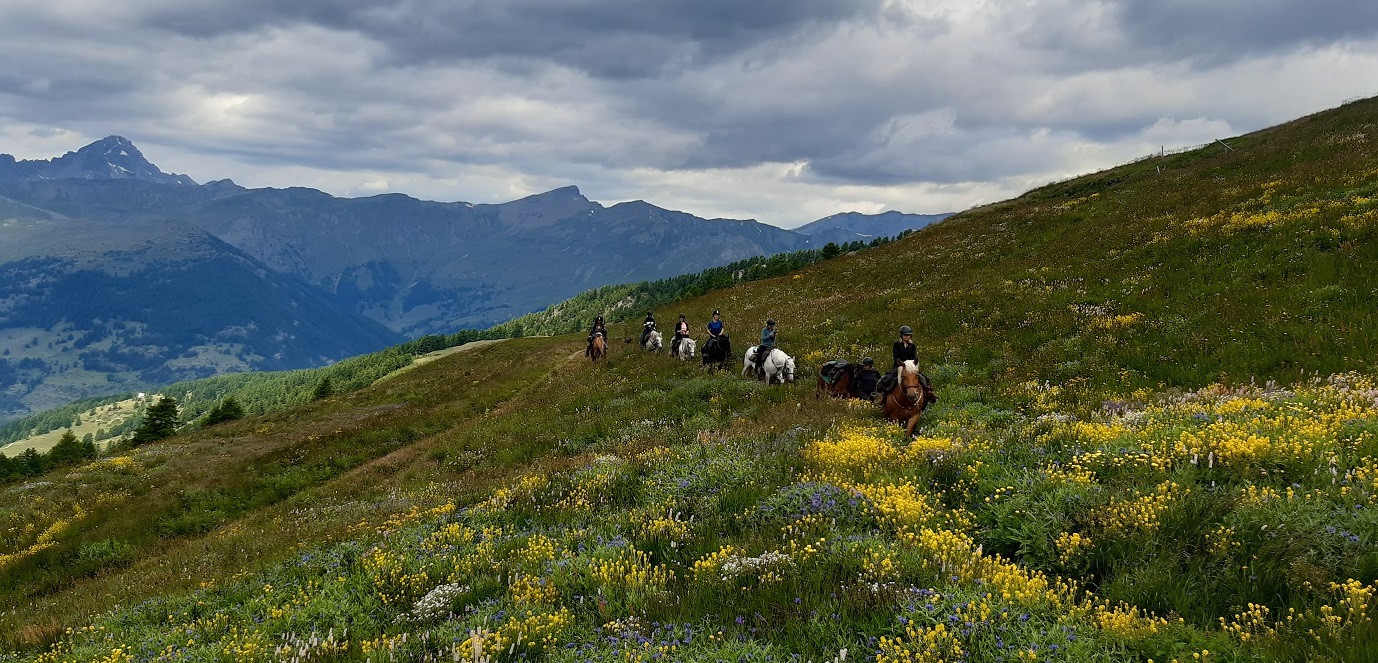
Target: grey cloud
pixel 605 38
pixel 1210 34
pixel 553 89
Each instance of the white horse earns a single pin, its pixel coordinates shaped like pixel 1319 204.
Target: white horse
pixel 653 340
pixel 687 347
pixel 778 367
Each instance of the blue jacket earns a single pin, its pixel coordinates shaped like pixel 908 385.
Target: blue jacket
pixel 767 338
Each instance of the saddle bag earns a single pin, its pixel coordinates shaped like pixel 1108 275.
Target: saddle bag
pixel 832 370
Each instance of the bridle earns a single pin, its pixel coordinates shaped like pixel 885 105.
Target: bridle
pixel 912 393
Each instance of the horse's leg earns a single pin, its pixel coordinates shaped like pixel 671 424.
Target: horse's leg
pixel 913 422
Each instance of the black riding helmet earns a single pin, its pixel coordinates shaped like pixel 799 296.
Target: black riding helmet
pixel 906 330
pixel 681 316
pixel 868 362
pixel 770 322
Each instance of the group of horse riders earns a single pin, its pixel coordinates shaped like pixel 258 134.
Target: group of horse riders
pixel 867 382
pixel 900 402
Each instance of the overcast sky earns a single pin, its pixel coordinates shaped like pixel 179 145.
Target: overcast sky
pixel 779 110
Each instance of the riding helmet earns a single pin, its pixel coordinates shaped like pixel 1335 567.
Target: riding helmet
pixel 715 312
pixel 681 316
pixel 868 362
pixel 770 322
pixel 906 330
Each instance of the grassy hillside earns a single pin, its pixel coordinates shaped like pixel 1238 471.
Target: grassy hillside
pixel 1155 441
pixel 261 392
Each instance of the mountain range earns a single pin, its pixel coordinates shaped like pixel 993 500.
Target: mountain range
pixel 118 276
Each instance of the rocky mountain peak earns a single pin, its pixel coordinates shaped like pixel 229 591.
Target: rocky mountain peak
pixel 110 158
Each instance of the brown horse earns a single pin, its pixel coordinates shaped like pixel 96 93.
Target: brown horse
pixel 841 386
pixel 907 400
pixel 598 347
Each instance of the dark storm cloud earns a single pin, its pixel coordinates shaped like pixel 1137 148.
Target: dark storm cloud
pixel 1213 33
pixel 604 38
pixel 889 96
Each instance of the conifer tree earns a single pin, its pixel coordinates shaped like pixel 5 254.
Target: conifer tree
pixel 68 450
pixel 31 463
pixel 160 421
pixel 226 410
pixel 323 389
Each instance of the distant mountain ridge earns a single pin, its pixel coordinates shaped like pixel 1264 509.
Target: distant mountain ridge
pixel 373 270
pixel 848 226
pixel 112 157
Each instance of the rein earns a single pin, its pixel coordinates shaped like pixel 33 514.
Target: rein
pixel 913 401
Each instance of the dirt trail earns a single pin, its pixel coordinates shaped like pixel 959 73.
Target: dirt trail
pixel 432 356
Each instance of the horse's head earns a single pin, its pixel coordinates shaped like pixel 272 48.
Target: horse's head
pixel 909 381
pixel 789 369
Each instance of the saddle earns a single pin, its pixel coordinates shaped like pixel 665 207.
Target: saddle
pixel 833 370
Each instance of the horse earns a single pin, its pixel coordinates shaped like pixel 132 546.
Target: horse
pixel 652 341
pixel 778 366
pixel 686 348
pixel 838 384
pixel 908 399
pixel 598 347
pixel 716 350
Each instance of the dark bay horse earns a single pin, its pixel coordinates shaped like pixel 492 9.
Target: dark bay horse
pixel 841 385
pixel 716 350
pixel 907 400
pixel 598 347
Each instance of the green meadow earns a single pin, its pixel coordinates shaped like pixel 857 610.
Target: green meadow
pixel 1155 440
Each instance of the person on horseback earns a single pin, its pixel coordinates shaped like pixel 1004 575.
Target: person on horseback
pixel 647 327
pixel 903 350
pixel 599 327
pixel 865 380
pixel 681 333
pixel 766 345
pixel 715 325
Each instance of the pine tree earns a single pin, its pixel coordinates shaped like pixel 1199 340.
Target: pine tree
pixel 67 451
pixel 227 410
pixel 323 389
pixel 160 421
pixel 31 463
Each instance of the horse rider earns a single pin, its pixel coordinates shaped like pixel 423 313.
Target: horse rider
pixel 647 327
pixel 715 326
pixel 865 380
pixel 766 345
pixel 903 350
pixel 681 333
pixel 599 327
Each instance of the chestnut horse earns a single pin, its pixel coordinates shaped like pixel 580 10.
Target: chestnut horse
pixel 598 348
pixel 907 400
pixel 841 386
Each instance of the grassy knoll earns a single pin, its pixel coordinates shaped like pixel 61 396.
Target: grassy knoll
pixel 95 421
pixel 1155 441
